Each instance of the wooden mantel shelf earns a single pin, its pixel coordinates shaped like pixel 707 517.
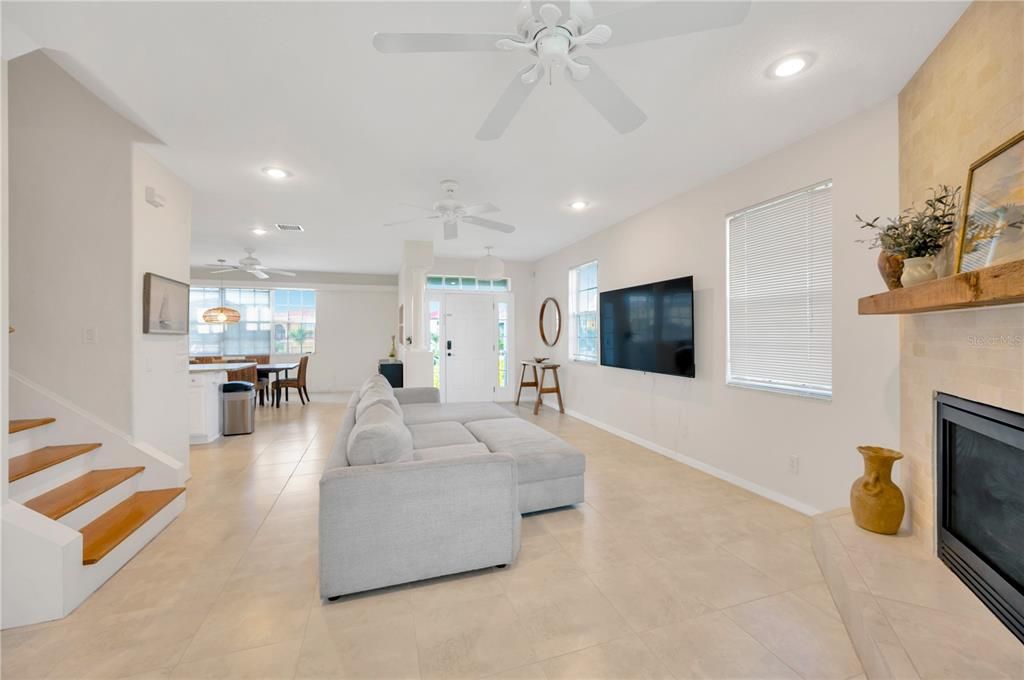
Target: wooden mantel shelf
pixel 1002 284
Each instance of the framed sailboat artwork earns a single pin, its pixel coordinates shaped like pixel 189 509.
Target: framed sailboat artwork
pixel 164 305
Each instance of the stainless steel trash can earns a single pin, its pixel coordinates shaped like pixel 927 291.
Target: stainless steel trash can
pixel 238 407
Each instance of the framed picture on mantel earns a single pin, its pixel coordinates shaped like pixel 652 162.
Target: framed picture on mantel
pixel 992 221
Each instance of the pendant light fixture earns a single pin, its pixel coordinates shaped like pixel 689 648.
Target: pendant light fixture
pixel 222 314
pixel 489 267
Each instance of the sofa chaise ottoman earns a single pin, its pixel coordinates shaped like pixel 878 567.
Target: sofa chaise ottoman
pixel 415 489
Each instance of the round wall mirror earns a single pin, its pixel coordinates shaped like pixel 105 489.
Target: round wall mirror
pixel 550 321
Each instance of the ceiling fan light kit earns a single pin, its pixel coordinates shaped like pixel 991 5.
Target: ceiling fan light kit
pixel 556 40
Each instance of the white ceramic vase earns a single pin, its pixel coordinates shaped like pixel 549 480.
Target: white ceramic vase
pixel 918 270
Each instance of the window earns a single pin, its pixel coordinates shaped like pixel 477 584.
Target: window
pixel 273 321
pixel 502 309
pixel 294 321
pixel 435 340
pixel 467 283
pixel 780 294
pixel 583 312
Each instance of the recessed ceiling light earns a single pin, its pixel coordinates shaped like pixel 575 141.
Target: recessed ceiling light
pixel 579 205
pixel 276 173
pixel 259 231
pixel 790 66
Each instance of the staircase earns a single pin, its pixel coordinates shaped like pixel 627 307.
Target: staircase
pixel 82 500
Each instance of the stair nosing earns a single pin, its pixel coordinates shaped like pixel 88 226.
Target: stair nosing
pixel 85 448
pixel 79 502
pixel 32 424
pixel 84 530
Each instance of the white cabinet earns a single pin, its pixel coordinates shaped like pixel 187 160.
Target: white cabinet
pixel 204 405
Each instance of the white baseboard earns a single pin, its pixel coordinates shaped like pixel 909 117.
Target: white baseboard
pixel 765 492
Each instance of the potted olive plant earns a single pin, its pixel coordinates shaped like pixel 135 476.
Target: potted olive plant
pixel 910 241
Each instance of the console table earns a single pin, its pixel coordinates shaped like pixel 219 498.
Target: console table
pixel 539 383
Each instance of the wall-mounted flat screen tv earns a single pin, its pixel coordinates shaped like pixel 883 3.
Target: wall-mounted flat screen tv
pixel 649 327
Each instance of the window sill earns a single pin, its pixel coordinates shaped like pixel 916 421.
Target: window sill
pixel 778 389
pixel 585 362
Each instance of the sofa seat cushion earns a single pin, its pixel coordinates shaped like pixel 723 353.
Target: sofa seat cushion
pixel 379 436
pixel 539 454
pixel 430 435
pixel 458 413
pixel 453 451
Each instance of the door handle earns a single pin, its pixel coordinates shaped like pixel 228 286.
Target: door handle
pixel 449 345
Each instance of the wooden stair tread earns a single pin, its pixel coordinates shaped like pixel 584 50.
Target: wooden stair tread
pixel 108 530
pixel 48 456
pixel 58 502
pixel 20 424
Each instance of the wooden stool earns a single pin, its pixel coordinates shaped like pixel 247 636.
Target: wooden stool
pixel 539 384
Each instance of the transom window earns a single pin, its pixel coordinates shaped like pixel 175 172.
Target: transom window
pixel 467 283
pixel 780 294
pixel 274 321
pixel 583 312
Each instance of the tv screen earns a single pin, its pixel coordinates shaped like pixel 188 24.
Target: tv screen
pixel 649 327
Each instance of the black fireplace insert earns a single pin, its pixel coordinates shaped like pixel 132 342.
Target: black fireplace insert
pixel 980 502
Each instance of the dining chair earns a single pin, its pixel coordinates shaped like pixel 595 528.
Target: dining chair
pixel 299 383
pixel 262 381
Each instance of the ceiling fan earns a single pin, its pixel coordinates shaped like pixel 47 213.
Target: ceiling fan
pixel 452 212
pixel 248 264
pixel 556 42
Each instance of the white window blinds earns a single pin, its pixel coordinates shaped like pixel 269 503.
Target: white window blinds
pixel 780 294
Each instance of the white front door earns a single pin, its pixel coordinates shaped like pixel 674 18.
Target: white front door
pixel 470 348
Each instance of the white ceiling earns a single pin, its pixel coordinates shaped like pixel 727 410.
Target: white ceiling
pixel 233 87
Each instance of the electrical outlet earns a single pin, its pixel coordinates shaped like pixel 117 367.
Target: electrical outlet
pixel 89 336
pixel 794 465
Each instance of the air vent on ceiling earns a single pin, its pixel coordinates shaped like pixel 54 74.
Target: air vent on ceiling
pixel 289 227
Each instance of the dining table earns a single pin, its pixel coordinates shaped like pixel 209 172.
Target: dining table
pixel 277 369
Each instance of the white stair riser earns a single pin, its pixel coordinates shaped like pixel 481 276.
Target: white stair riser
pixel 79 517
pixel 95 575
pixel 28 440
pixel 40 482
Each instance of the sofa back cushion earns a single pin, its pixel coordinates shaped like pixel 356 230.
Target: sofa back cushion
pixel 377 395
pixel 379 436
pixel 376 380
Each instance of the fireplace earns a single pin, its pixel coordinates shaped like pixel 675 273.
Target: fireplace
pixel 980 499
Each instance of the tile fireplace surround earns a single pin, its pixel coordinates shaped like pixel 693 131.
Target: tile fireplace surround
pixel 907 614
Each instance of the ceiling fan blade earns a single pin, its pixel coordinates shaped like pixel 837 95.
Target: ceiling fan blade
pixel 392 43
pixel 451 231
pixel 220 265
pixel 481 208
pixel 223 271
pixel 608 98
pixel 489 224
pixel 657 20
pixel 259 274
pixel 582 10
pixel 508 106
pixel 279 272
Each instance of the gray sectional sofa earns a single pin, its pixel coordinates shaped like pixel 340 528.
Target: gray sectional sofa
pixel 415 489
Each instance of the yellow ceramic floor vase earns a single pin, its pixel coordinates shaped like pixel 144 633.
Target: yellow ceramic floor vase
pixel 876 502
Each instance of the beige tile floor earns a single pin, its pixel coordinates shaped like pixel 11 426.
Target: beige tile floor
pixel 664 572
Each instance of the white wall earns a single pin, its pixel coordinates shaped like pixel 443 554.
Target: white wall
pixel 70 239
pixel 81 238
pixel 160 244
pixel 743 433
